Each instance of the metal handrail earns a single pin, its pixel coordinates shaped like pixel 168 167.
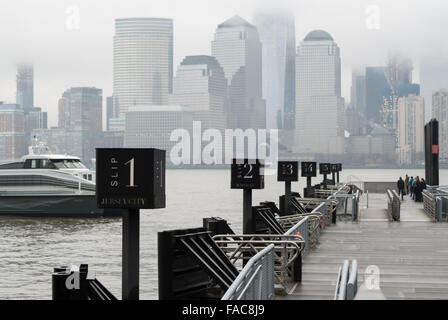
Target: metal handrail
pixel 302 228
pixel 347 281
pixel 242 248
pixel 256 280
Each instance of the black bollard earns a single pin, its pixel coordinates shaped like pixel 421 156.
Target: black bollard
pixel 432 152
pixel 324 169
pixel 287 171
pixel 247 175
pixel 309 170
pixel 70 283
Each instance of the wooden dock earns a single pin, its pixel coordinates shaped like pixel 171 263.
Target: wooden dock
pixel 411 255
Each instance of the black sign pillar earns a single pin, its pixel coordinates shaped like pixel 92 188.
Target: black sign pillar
pixel 247 175
pixel 334 170
pixel 248 223
pixel 325 168
pixel 432 153
pixel 339 168
pixel 131 254
pixel 309 170
pixel 287 171
pixel 130 179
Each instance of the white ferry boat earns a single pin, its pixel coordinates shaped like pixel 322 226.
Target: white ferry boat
pixel 47 184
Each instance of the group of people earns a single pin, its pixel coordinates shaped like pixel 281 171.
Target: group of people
pixel 412 186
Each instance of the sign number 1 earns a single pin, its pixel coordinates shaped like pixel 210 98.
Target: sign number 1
pixel 131 173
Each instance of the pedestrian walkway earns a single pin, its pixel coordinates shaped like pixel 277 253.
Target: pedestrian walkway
pixel 411 256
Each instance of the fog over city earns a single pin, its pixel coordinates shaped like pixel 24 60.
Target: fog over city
pixel 70 42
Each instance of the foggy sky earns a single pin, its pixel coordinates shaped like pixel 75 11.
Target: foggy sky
pixel 36 31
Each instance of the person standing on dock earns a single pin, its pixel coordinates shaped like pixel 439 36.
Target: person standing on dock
pixel 417 189
pixel 411 189
pixel 423 184
pixel 406 184
pixel 400 186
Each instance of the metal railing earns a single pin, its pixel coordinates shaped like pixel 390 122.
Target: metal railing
pixel 256 280
pixel 393 205
pixel 242 248
pixel 302 229
pixel 254 251
pixel 347 281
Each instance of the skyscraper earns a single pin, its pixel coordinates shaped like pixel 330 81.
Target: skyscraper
pixel 377 89
pixel 142 63
pixel 319 105
pixel 25 86
pixel 201 88
pixel 12 132
pixel 277 35
pixel 440 112
pixel 83 108
pixel 34 118
pixel 385 85
pixel 237 48
pixel 411 123
pixel 358 92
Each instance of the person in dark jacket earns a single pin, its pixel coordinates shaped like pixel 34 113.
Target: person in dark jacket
pixel 423 184
pixel 400 186
pixel 418 189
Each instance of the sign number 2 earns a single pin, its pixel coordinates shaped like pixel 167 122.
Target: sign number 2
pixel 131 173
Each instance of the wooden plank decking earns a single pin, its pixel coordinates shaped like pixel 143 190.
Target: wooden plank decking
pixel 412 255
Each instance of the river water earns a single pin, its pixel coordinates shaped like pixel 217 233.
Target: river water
pixel 31 247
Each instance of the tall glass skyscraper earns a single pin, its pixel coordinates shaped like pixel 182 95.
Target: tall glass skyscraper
pixel 142 63
pixel 82 109
pixel 319 105
pixel 237 48
pixel 277 35
pixel 25 86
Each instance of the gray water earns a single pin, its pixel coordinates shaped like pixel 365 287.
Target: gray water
pixel 31 247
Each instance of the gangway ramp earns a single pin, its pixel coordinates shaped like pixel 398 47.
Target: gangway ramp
pixel 411 256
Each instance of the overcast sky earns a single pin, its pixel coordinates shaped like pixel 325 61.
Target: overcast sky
pixel 67 51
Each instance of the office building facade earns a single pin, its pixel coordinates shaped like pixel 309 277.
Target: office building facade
pixel 411 123
pixel 319 105
pixel 440 112
pixel 142 63
pixel 237 48
pixel 277 36
pixel 12 132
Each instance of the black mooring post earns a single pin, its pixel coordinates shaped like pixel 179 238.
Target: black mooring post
pixel 308 182
pixel 287 197
pixel 432 152
pixel 248 223
pixel 131 254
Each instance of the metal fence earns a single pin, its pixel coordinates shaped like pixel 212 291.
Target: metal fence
pixel 302 229
pixel 256 280
pixel 347 282
pixel 393 205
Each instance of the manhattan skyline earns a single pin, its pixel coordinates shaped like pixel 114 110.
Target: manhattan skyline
pixel 71 45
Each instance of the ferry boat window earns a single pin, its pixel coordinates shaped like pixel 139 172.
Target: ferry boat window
pixel 79 164
pixel 34 164
pixel 68 164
